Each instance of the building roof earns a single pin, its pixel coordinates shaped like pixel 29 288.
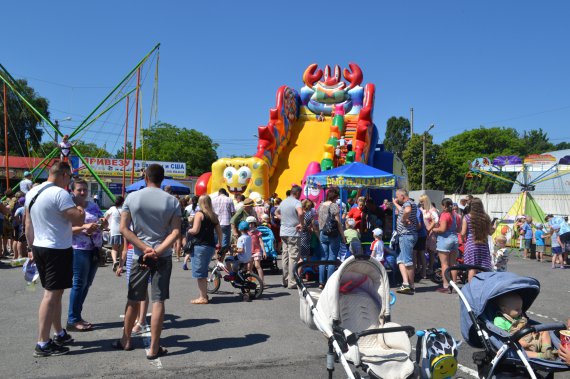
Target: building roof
pixel 20 162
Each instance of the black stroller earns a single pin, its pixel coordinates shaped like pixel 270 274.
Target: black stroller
pixel 503 356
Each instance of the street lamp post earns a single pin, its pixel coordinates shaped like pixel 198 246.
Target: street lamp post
pixel 424 157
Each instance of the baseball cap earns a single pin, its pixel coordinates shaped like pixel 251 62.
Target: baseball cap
pixel 377 232
pixel 250 219
pixel 265 216
pixel 243 225
pixel 27 173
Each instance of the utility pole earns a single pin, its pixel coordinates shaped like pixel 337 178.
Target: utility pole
pixel 424 156
pixel 411 122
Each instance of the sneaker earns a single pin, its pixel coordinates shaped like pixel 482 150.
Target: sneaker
pixel 246 297
pixel 51 349
pixel 184 266
pixel 405 289
pixel 115 266
pixel 66 339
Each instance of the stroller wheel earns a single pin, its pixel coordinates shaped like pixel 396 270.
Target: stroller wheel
pixel 437 277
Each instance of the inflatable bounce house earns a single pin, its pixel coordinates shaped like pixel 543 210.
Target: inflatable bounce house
pixel 325 125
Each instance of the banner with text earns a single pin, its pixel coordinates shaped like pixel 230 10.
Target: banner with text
pixel 114 167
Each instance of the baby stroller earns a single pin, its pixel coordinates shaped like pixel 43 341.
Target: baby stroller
pixel 503 356
pixel 353 312
pixel 269 244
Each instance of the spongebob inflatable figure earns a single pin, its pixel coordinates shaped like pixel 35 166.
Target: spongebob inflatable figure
pixel 240 176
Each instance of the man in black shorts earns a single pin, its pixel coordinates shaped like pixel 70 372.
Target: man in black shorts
pixel 155 218
pixel 52 213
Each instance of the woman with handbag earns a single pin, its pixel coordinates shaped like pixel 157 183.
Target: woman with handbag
pixel 204 227
pixel 331 234
pixel 87 240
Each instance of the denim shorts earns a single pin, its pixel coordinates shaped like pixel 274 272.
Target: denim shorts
pixel 406 242
pixel 447 243
pixel 556 250
pixel 200 260
pixel 527 243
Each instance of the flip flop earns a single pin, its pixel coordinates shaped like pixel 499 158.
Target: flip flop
pixel 119 346
pixel 161 353
pixel 200 301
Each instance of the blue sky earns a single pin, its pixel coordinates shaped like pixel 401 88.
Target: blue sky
pixel 459 64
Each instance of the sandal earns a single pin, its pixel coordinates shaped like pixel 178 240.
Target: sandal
pixel 161 353
pixel 200 300
pixel 119 346
pixel 80 327
pixel 141 329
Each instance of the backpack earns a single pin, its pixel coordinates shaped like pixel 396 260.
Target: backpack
pixel 436 354
pixel 331 227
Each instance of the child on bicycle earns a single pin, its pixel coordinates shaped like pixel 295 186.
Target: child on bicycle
pixel 257 246
pixel 242 252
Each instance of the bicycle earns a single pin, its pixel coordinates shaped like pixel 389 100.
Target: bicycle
pixel 248 282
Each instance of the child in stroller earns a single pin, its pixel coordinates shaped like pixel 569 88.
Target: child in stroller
pixel 510 319
pixel 503 356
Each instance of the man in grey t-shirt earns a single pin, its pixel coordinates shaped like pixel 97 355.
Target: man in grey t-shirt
pixel 290 212
pixel 155 227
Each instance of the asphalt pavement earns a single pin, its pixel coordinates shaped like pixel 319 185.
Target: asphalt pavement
pixel 226 338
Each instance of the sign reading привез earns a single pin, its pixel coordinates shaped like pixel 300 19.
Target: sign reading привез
pixel 115 167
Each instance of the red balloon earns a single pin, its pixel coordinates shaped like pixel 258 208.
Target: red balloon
pixel 201 187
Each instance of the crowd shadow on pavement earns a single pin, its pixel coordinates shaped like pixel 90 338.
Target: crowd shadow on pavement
pixel 174 322
pixel 236 297
pixel 214 344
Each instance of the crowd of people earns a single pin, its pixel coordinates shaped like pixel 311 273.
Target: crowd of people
pixel 65 232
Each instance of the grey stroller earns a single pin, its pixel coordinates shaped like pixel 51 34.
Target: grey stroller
pixel 503 356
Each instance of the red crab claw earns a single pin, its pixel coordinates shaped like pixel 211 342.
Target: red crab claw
pixel 312 75
pixel 355 77
pixel 332 80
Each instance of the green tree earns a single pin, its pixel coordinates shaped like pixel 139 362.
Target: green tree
pixel 86 149
pixel 23 124
pixel 535 142
pixel 436 164
pixel 120 155
pixel 463 148
pixel 165 142
pixel 397 135
pixel 562 146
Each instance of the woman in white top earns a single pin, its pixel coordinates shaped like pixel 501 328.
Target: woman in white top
pixel 113 216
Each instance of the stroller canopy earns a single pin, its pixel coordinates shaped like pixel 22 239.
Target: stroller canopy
pixel 366 274
pixel 485 287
